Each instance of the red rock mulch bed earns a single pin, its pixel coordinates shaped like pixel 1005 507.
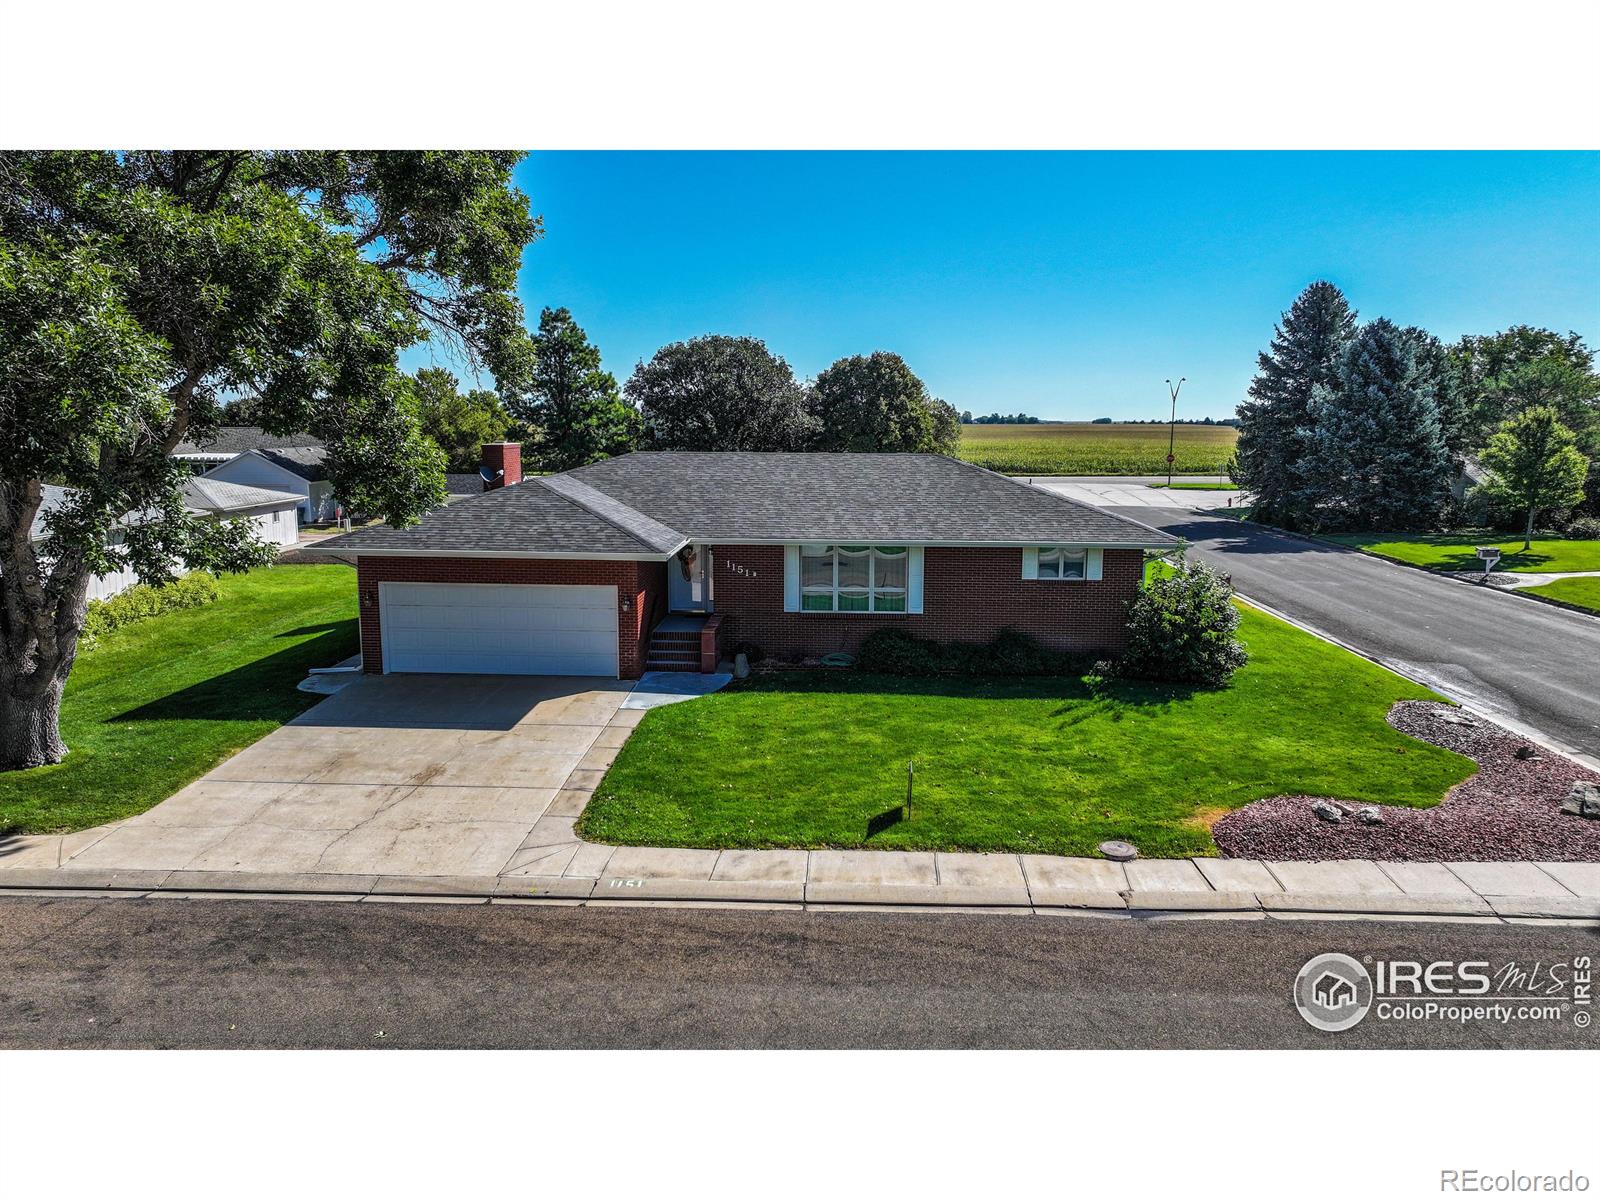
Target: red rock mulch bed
pixel 1509 810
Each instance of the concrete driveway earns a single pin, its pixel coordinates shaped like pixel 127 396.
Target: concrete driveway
pixel 395 774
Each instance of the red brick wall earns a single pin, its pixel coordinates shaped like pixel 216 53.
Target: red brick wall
pixel 642 586
pixel 968 595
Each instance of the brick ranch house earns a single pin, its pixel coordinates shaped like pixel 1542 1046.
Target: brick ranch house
pixel 667 559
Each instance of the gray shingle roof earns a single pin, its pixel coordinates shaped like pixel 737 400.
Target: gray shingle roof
pixel 458 484
pixel 858 497
pixel 304 461
pixel 648 530
pixel 650 502
pixel 525 519
pixel 236 439
pixel 216 496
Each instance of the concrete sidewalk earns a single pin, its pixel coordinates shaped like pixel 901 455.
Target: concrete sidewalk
pixel 571 871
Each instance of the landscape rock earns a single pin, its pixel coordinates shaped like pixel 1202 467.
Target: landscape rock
pixel 1369 815
pixel 1510 810
pixel 1526 753
pixel 741 667
pixel 1582 800
pixel 1330 813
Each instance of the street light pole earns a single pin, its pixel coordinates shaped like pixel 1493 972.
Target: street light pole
pixel 1172 428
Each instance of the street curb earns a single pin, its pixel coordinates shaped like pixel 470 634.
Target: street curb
pixel 768 894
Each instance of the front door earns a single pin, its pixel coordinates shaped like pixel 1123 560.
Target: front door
pixel 688 580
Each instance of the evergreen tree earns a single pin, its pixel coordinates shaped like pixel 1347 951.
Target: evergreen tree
pixel 458 424
pixel 1443 372
pixel 1304 355
pixel 576 413
pixel 1535 464
pixel 1375 454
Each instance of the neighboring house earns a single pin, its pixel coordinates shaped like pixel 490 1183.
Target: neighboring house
pixel 669 559
pixel 461 486
pixel 233 440
pixel 271 513
pixel 297 469
pixel 101 587
pixel 273 516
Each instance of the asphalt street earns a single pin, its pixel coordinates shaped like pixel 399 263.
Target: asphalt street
pixel 104 972
pixel 1514 658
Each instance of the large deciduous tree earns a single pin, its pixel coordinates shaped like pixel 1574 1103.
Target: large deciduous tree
pixel 139 290
pixel 573 407
pixel 875 402
pixel 1376 457
pixel 1522 367
pixel 1274 422
pixel 1535 464
pixel 720 393
pixel 458 423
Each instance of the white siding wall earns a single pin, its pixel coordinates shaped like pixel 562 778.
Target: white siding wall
pixel 280 526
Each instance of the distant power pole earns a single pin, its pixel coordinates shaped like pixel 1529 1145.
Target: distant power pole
pixel 1172 429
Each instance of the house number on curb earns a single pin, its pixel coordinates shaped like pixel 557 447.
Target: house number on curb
pixel 626 883
pixel 735 569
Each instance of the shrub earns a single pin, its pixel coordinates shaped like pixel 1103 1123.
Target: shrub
pixel 1584 527
pixel 895 652
pixel 142 601
pixel 1182 629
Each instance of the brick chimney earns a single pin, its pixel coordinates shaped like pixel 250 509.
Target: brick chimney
pixel 502 462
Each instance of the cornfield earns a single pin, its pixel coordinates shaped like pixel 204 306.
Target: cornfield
pixel 1079 448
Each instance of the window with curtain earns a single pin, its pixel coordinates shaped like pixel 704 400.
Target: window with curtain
pixel 853 578
pixel 1057 562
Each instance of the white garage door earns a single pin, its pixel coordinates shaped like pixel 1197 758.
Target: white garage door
pixel 499 629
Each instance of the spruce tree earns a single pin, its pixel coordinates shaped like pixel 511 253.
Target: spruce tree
pixel 1376 455
pixel 1274 421
pixel 576 412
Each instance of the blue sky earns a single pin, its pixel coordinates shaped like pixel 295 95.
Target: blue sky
pixel 1068 285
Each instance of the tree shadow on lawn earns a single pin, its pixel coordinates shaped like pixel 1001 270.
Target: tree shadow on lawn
pixel 265 689
pixel 1469 560
pixel 325 627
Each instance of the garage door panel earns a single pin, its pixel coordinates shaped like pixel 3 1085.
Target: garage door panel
pixel 515 629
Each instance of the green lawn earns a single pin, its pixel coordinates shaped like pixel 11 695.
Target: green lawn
pixel 818 758
pixel 1583 591
pixel 160 703
pixel 1082 448
pixel 1459 551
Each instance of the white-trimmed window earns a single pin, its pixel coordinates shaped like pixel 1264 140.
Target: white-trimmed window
pixel 839 578
pixel 1061 562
